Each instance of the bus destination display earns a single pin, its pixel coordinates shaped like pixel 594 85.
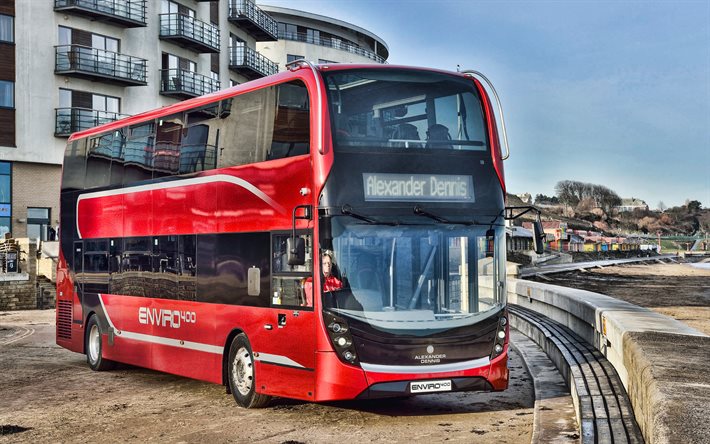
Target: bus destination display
pixel 418 187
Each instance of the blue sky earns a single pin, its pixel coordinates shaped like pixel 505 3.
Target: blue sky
pixel 609 92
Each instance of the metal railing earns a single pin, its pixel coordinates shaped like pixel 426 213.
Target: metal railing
pixel 71 120
pixel 248 9
pixel 243 56
pixel 180 81
pixel 100 62
pixel 134 10
pixel 180 25
pixel 331 43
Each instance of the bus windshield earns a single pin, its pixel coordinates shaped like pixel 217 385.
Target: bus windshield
pixel 415 279
pixel 394 108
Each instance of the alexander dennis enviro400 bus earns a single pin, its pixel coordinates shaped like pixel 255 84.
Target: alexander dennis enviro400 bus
pixel 194 237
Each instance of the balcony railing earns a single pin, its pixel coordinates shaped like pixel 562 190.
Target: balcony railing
pixel 252 19
pixel 71 120
pixel 185 84
pixel 98 64
pixel 128 13
pixel 250 63
pixel 190 32
pixel 331 43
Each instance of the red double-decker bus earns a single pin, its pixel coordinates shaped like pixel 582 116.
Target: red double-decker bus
pixel 326 233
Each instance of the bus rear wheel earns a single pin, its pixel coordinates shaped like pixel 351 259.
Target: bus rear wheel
pixel 94 345
pixel 241 375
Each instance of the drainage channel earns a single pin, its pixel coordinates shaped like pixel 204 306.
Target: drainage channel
pixel 603 409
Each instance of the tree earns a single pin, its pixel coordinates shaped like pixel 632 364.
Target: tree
pixel 693 206
pixel 543 199
pixel 571 193
pixel 661 206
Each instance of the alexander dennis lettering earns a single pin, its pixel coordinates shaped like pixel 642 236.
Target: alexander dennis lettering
pixel 420 187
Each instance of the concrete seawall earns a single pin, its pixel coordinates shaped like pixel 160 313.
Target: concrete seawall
pixel 663 364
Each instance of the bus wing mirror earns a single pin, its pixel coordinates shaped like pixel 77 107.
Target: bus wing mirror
pixel 538 237
pixel 296 246
pixel 254 281
pixel 296 250
pixel 490 242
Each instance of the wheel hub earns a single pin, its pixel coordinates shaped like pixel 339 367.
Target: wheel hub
pixel 94 343
pixel 243 371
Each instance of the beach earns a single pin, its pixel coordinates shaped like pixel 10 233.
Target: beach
pixel 681 291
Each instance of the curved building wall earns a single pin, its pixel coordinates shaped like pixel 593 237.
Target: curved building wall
pixel 320 39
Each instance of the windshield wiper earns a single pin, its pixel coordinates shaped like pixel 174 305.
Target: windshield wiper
pixel 348 211
pixel 419 211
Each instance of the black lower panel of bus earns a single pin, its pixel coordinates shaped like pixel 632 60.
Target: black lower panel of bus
pixel 403 388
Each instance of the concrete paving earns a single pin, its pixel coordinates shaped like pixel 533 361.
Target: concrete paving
pixel 554 419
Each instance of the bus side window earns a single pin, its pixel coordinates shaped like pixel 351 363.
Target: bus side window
pixel 196 154
pixel 291 285
pixel 98 161
pixel 186 267
pixel 166 156
pixel 96 266
pixel 74 166
pixel 138 153
pixel 115 249
pixel 291 135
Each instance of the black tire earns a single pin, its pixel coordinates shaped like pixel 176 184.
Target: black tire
pixel 93 344
pixel 241 375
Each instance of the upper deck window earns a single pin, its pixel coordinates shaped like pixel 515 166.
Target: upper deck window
pixel 394 108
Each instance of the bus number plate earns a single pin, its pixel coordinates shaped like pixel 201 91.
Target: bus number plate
pixel 443 385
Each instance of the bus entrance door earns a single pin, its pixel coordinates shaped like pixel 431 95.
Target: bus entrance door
pixel 287 356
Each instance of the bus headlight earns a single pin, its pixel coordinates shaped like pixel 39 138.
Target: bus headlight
pixel 501 336
pixel 340 337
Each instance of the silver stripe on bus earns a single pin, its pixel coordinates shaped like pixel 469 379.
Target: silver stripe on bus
pixel 417 369
pixel 181 183
pixel 197 346
pixel 276 359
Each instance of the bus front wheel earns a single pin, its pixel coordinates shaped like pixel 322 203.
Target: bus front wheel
pixel 94 356
pixel 241 374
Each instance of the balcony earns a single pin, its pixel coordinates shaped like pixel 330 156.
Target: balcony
pixel 189 32
pixel 97 64
pixel 250 63
pixel 126 13
pixel 253 20
pixel 71 120
pixel 183 84
pixel 330 42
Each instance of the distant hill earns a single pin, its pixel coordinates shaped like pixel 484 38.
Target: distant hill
pixel 685 220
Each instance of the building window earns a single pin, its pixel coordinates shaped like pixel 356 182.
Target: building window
pixel 7 94
pixel 7 28
pixel 326 62
pixel 291 57
pixel 5 197
pixel 37 223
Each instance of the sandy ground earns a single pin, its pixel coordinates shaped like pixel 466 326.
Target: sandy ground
pixel 677 290
pixel 52 395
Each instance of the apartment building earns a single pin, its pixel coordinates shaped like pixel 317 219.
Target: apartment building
pixel 68 65
pixel 304 35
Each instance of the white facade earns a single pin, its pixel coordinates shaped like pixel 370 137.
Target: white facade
pixel 335 40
